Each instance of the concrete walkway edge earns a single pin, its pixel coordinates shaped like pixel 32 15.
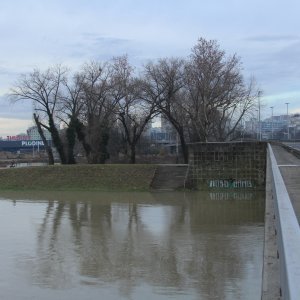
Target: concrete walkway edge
pixel 270 280
pixel 288 234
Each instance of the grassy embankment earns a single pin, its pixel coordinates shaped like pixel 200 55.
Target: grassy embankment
pixel 78 177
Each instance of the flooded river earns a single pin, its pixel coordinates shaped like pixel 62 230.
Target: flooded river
pixel 66 245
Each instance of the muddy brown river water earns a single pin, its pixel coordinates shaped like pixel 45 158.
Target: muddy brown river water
pixel 92 245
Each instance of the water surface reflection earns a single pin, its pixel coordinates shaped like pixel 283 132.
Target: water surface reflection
pixel 131 245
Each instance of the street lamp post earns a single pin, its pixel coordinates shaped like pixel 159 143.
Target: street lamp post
pixel 272 107
pixel 259 123
pixel 287 120
pixel 257 126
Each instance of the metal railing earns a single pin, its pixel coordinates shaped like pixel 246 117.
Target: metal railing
pixel 288 235
pixel 292 149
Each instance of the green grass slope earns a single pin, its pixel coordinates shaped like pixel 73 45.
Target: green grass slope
pixel 78 177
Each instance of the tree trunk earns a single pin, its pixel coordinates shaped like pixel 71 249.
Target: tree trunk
pixel 104 155
pixel 71 138
pixel 99 153
pixel 47 147
pixel 180 131
pixel 184 147
pixel 79 127
pixel 57 141
pixel 132 153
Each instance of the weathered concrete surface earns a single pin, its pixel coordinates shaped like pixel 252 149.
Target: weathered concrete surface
pixel 169 177
pixel 289 166
pixel 270 282
pixel 233 164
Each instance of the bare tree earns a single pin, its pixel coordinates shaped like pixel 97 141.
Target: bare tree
pixel 101 95
pixel 71 110
pixel 134 114
pixel 204 97
pixel 164 84
pixel 46 144
pixel 98 109
pixel 217 96
pixel 43 89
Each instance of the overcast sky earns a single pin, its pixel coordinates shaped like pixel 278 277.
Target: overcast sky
pixel 40 33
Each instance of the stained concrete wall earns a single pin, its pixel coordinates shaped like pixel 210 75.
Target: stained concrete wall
pixel 234 165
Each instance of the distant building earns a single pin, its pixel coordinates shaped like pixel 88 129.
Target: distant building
pixel 251 127
pixel 19 137
pixel 294 120
pixel 165 134
pixel 25 142
pixel 276 124
pixel 159 136
pixel 21 146
pixel 33 134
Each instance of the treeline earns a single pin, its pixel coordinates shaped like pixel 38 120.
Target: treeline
pixel 203 96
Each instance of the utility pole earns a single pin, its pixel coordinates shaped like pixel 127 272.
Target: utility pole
pixel 287 120
pixel 259 123
pixel 257 126
pixel 272 107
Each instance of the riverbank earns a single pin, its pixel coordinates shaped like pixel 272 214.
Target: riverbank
pixel 79 177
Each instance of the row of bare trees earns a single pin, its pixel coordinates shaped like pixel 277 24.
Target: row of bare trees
pixel 203 96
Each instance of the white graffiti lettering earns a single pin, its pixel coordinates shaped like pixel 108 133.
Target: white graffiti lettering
pixel 219 183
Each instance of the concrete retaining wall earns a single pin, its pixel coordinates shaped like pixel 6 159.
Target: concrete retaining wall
pixel 234 165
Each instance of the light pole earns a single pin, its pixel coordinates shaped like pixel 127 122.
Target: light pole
pixel 257 126
pixel 287 120
pixel 272 107
pixel 259 123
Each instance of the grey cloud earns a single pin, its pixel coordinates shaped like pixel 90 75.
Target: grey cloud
pixel 291 53
pixel 104 40
pixel 111 41
pixel 7 72
pixel 3 71
pixel 273 38
pixel 285 61
pixel 20 110
pixel 94 46
pixel 276 69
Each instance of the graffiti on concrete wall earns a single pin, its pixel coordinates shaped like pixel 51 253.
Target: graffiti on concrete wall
pixel 230 183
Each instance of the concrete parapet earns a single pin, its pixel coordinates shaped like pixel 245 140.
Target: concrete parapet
pixel 270 279
pixel 288 234
pixel 230 165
